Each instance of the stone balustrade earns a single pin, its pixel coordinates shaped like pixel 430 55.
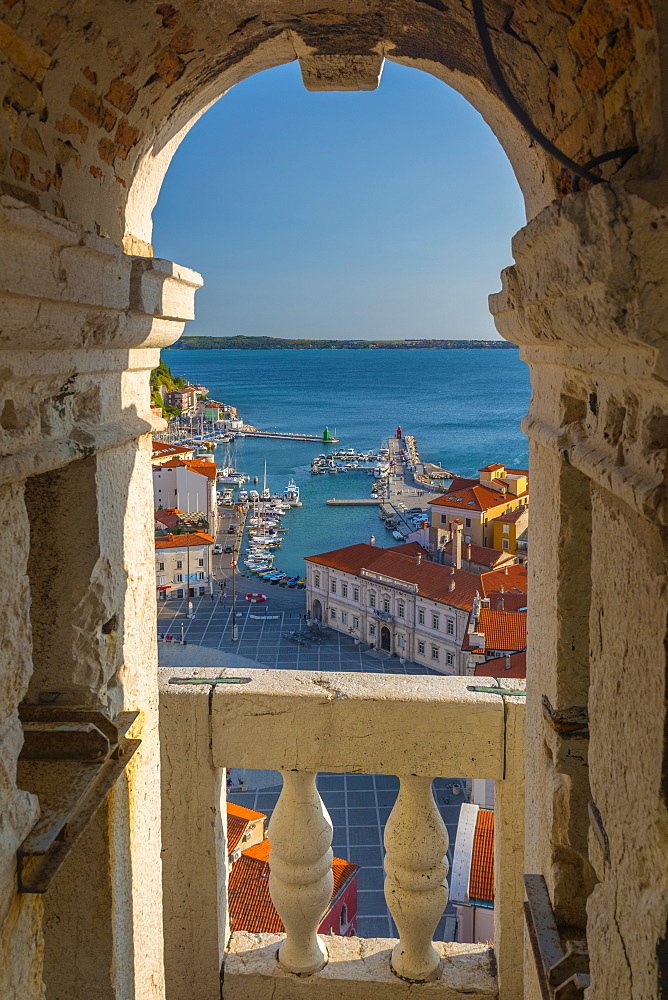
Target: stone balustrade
pixel 301 723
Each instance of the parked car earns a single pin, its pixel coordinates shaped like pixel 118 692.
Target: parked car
pixel 217 549
pixel 231 530
pixel 228 548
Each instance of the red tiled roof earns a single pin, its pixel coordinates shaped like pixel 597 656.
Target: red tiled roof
pixel 481 879
pixel 200 465
pixel 510 516
pixel 238 818
pixel 410 549
pixel 180 541
pixel 511 600
pixel 480 554
pixel 433 579
pixel 160 448
pixel 459 483
pixel 250 905
pixel 503 629
pixel 478 498
pixel 491 468
pixel 512 577
pixel 497 667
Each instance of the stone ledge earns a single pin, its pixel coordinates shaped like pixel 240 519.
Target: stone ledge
pixel 357 967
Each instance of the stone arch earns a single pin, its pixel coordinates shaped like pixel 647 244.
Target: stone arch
pixel 385 639
pixel 95 100
pixel 317 610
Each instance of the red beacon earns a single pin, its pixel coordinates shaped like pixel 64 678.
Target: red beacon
pixel 399 433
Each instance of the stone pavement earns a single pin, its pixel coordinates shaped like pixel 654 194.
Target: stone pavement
pixel 359 804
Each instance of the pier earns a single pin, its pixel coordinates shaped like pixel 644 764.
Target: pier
pixel 353 503
pixel 289 436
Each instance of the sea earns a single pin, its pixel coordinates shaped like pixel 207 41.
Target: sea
pixel 463 407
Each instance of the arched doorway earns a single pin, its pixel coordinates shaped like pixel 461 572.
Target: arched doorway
pixel 385 639
pixel 317 611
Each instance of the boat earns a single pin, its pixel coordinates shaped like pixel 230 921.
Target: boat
pixel 243 496
pixel 266 494
pixel 301 583
pixel 293 583
pixel 229 475
pixel 253 496
pixel 291 494
pixel 399 537
pixel 277 578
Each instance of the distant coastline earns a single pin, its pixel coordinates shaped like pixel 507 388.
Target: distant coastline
pixel 279 344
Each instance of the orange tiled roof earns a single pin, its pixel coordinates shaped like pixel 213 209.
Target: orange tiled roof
pixel 481 879
pixel 160 448
pixel 238 818
pixel 513 577
pixel 497 667
pixel 511 600
pixel 510 516
pixel 491 468
pixel 503 629
pixel 200 465
pixel 250 905
pixel 433 579
pixel 478 498
pixel 181 541
pixel 410 549
pixel 480 554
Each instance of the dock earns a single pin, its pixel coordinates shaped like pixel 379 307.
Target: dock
pixel 289 436
pixel 353 503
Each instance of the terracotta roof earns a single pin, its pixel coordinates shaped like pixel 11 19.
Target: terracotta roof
pixel 510 516
pixel 480 554
pixel 503 629
pixel 512 577
pixel 250 905
pixel 459 483
pixel 200 465
pixel 160 448
pixel 433 579
pixel 238 818
pixel 181 541
pixel 497 667
pixel 481 879
pixel 477 498
pixel 410 549
pixel 511 600
pixel 491 468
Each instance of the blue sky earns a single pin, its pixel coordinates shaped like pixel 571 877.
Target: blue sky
pixel 382 215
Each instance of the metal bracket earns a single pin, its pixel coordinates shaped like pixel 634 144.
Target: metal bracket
pixel 71 758
pixel 563 968
pixel 569 723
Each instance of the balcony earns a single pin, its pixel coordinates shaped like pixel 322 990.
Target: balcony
pixel 301 723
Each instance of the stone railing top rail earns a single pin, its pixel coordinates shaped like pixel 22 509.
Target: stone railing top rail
pixel 368 723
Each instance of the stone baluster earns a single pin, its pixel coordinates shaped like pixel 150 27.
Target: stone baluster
pixel 301 880
pixel 416 866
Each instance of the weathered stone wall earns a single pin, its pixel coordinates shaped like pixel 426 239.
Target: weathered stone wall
pixel 79 604
pixel 95 99
pixel 98 96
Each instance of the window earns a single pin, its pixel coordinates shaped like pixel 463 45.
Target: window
pixel 356 623
pixel 161 581
pixel 450 628
pixel 356 593
pixel 421 648
pixel 372 629
pixel 179 564
pixel 401 611
pixel 178 578
pixel 421 616
pixel 344 590
pixel 372 600
pixel 506 529
pixel 434 621
pixel 450 658
pixel 161 565
pixel 386 605
pixel 505 542
pixel 200 562
pixel 468 522
pixel 444 518
pixel 332 613
pixel 202 591
pixel 332 586
pixel 344 617
pixel 434 652
pixel 316 579
pixel 200 576
pixel 401 642
pixel 179 594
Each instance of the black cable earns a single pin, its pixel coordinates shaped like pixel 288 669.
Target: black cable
pixel 523 118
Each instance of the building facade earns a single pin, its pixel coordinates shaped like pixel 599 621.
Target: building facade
pixel 403 605
pixel 189 485
pixel 183 566
pixel 477 503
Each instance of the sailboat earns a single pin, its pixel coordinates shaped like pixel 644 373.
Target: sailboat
pixel 265 495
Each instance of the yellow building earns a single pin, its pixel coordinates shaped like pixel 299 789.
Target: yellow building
pixel 509 531
pixel 477 503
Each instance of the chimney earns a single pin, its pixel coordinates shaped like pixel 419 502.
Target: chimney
pixel 468 552
pixel 419 558
pixel 457 528
pixel 452 571
pixel 502 589
pixel 451 586
pixel 372 540
pixel 507 661
pixel 506 571
pixel 499 604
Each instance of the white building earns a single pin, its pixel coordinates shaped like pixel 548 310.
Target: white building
pixel 396 600
pixel 183 562
pixel 189 485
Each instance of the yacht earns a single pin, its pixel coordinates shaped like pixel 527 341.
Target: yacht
pixel 291 494
pixel 229 475
pixel 253 496
pixel 243 496
pixel 266 492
